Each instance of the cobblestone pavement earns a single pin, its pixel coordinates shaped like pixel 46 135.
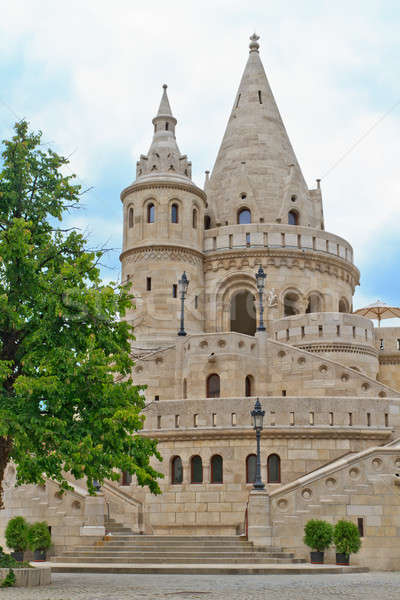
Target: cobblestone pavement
pixel 65 586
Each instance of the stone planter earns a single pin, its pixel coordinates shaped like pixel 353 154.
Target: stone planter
pixel 342 559
pixel 18 555
pixel 316 558
pixel 29 577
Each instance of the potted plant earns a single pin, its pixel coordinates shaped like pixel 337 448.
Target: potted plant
pixel 317 536
pixel 346 538
pixel 39 540
pixel 17 537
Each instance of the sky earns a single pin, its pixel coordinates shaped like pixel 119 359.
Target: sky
pixel 88 74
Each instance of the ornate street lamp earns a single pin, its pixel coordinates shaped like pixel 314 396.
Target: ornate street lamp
pixel 257 415
pixel 260 280
pixel 183 284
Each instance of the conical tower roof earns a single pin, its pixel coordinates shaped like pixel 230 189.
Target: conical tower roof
pixel 164 160
pixel 256 165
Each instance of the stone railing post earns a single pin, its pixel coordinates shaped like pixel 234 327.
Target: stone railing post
pixel 259 530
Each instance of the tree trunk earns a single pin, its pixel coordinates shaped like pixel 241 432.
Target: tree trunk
pixel 5 449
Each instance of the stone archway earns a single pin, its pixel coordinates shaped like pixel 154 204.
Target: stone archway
pixel 243 313
pixel 228 288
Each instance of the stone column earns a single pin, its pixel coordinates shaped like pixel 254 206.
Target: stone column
pixel 94 512
pixel 259 518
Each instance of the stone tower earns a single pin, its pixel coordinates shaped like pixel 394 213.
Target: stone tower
pixel 163 235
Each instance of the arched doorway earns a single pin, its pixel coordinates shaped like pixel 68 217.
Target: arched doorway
pixel 243 313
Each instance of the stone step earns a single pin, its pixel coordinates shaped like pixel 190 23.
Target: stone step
pixel 166 555
pixel 113 542
pixel 183 560
pixel 117 547
pixel 141 540
pixel 211 569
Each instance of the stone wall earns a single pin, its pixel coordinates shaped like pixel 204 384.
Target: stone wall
pixel 364 486
pixel 223 426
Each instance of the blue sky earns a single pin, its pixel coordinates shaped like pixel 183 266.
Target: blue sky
pixel 89 75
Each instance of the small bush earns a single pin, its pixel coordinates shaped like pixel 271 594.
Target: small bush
pixel 346 538
pixel 8 562
pixel 9 580
pixel 318 535
pixel 39 536
pixel 17 534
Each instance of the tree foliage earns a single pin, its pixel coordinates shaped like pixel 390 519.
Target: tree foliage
pixel 67 400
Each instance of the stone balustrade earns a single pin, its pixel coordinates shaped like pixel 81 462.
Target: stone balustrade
pixel 345 338
pixel 276 236
pixel 283 413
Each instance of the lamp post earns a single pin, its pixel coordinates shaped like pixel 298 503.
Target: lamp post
pixel 260 280
pixel 183 284
pixel 258 417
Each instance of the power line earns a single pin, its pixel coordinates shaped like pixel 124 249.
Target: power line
pixel 360 139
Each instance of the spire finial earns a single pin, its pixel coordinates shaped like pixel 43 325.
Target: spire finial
pixel 254 45
pixel 165 86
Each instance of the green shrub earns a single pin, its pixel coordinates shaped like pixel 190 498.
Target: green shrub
pixel 8 562
pixel 346 538
pixel 17 534
pixel 9 580
pixel 39 536
pixel 318 535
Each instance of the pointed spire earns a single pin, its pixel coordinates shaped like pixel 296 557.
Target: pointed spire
pixel 255 135
pixel 164 159
pixel 165 108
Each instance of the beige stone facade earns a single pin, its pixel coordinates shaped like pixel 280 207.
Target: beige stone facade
pixel 328 381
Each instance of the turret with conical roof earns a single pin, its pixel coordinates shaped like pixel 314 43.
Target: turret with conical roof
pixel 164 158
pixel 256 166
pixel 163 236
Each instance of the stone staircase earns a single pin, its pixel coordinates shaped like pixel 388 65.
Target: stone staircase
pixel 125 547
pixel 126 552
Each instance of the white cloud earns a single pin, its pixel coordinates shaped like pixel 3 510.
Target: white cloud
pixel 98 68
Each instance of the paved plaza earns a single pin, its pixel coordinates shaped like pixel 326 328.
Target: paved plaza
pixel 65 586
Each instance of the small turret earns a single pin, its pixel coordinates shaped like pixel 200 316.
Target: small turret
pixel 164 158
pixel 163 236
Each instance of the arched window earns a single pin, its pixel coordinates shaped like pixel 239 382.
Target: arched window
pixel 166 126
pixel 216 469
pixel 150 213
pixel 207 222
pixel 343 306
pixel 290 304
pixel 248 386
pixel 251 465
pixel 293 217
pixel 174 213
pixel 243 313
pixel 213 386
pixel 184 389
pixel 130 218
pixel 176 470
pixel 274 469
pixel 196 470
pixel 194 219
pixel 244 216
pixel 314 304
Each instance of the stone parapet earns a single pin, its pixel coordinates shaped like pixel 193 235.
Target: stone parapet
pixel 276 236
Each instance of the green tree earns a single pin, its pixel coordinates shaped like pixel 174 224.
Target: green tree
pixel 67 400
